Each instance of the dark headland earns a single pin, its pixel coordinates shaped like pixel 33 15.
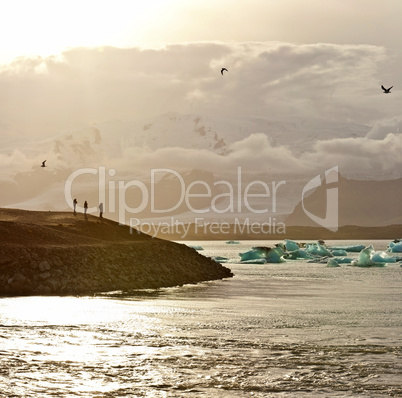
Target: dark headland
pixel 57 253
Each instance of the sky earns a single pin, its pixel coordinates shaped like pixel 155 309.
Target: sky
pixel 83 61
pixel 67 65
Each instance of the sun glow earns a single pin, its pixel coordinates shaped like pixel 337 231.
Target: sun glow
pixel 47 27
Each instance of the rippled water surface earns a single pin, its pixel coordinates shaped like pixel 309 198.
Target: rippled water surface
pixel 274 330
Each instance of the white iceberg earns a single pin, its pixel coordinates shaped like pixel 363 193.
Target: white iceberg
pixel 332 263
pixel 365 259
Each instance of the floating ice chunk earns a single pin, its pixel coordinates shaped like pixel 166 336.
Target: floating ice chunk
pixel 339 252
pixel 319 260
pixel 318 250
pixel 354 248
pixel 275 255
pixel 303 254
pixel 291 245
pixel 254 254
pixel 256 261
pixel 395 247
pixel 365 259
pixel 296 254
pixel 197 247
pixel 344 260
pixel 382 257
pixel 220 259
pixel 266 253
pixel 332 263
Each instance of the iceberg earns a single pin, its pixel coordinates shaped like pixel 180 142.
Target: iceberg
pixel 382 257
pixel 355 248
pixel 332 263
pixel 275 255
pixel 318 250
pixel 220 259
pixel 291 245
pixel 232 242
pixel 197 247
pixel 395 246
pixel 256 261
pixel 319 260
pixel 268 254
pixel 296 254
pixel 254 254
pixel 339 253
pixel 365 259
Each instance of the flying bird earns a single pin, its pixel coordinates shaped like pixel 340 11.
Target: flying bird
pixel 43 164
pixel 387 90
pixel 223 70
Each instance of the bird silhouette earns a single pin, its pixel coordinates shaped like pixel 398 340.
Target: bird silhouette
pixel 387 90
pixel 43 164
pixel 222 70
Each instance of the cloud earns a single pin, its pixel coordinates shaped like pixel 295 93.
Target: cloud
pixel 43 96
pixel 361 155
pixel 254 154
pixel 382 128
pixel 42 100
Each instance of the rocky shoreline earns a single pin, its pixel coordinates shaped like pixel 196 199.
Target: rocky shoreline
pixel 110 260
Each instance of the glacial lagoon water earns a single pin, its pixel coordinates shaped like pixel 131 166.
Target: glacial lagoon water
pixel 294 329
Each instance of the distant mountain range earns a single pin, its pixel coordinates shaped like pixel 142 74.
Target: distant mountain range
pixel 363 203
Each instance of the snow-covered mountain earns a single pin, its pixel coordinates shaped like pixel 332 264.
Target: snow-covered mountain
pixel 216 134
pixel 252 155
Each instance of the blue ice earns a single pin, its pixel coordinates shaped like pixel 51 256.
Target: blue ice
pixel 318 250
pixel 395 247
pixel 291 245
pixel 382 257
pixel 268 254
pixel 296 254
pixel 353 248
pixel 339 252
pixel 197 247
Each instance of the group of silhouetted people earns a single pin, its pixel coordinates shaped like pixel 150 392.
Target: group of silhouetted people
pixel 86 208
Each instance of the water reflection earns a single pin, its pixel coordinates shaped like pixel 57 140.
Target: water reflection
pixel 288 329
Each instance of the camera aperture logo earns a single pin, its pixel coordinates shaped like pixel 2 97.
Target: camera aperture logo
pixel 331 219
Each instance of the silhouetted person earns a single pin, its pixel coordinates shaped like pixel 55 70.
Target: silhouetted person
pixel 75 204
pixel 85 208
pixel 101 210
